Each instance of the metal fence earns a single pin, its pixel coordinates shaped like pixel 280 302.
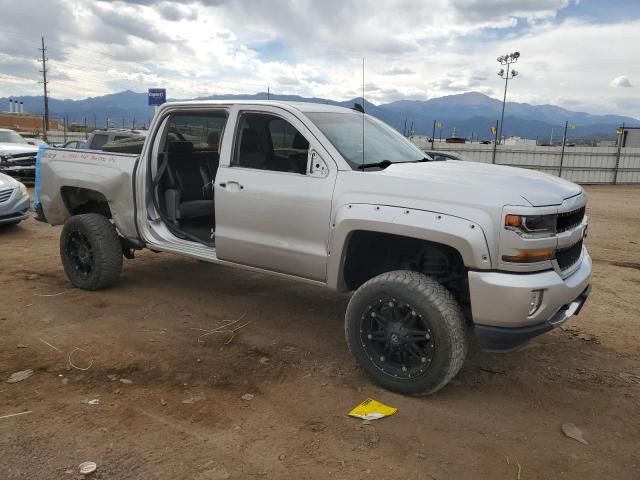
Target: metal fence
pixel 60 138
pixel 586 165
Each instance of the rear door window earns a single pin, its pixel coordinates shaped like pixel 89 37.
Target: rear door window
pixel 99 140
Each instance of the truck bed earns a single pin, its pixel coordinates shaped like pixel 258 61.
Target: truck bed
pixel 69 180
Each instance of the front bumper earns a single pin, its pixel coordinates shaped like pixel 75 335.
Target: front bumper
pixel 503 339
pixel 15 209
pixel 21 172
pixel 500 303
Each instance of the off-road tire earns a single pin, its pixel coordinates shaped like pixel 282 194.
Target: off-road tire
pixel 431 300
pixel 105 251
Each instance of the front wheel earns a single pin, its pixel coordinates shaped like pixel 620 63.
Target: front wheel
pixel 407 332
pixel 91 252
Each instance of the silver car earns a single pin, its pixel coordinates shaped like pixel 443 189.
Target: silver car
pixel 14 201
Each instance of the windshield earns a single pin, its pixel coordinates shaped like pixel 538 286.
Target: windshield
pixel 11 137
pixel 381 142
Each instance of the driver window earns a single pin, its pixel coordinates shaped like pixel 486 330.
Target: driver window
pixel 268 142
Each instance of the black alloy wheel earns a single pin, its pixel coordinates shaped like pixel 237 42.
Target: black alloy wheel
pixel 397 338
pixel 80 253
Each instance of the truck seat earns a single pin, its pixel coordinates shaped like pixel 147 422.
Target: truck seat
pixel 299 160
pixel 187 194
pixel 251 152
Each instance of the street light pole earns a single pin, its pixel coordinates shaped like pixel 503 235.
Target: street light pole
pixel 507 60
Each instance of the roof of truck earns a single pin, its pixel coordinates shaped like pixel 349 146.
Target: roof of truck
pixel 301 106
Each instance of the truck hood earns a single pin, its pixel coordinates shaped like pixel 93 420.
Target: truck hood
pixel 472 178
pixel 15 148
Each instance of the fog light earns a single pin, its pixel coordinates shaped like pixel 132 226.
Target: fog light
pixel 535 302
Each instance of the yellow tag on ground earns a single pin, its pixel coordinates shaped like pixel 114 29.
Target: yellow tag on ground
pixel 371 409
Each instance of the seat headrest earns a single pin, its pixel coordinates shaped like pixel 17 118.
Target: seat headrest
pixel 180 147
pixel 250 141
pixel 299 142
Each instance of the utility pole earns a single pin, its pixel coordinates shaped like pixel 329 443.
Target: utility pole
pixel 564 142
pixel 268 92
pixel 494 130
pixel 46 97
pixel 433 135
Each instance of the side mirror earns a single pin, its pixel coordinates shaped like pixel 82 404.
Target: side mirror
pixel 31 142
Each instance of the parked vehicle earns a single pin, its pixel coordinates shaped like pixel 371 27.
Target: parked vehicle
pixel 17 155
pixel 126 145
pixel 73 144
pixel 14 201
pixel 98 139
pixel 438 253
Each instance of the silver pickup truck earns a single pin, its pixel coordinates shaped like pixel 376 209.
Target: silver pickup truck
pixel 438 253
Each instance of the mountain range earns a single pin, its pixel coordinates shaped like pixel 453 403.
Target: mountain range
pixel 461 115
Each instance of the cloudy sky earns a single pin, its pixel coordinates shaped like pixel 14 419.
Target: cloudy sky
pixel 579 54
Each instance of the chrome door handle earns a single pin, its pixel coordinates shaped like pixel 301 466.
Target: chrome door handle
pixel 231 185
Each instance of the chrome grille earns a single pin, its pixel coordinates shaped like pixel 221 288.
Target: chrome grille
pixel 5 194
pixel 21 159
pixel 569 220
pixel 567 257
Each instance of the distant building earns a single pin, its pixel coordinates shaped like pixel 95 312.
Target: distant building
pixel 518 141
pixel 630 137
pixel 26 122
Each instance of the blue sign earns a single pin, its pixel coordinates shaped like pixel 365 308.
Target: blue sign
pixel 157 96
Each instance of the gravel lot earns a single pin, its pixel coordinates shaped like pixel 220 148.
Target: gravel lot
pixel 170 407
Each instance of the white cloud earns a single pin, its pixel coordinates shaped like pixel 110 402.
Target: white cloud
pixel 413 49
pixel 621 81
pixel 398 71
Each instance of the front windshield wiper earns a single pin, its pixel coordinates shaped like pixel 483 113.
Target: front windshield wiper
pixel 381 165
pixel 385 163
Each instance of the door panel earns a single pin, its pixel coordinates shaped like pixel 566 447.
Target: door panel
pixel 275 220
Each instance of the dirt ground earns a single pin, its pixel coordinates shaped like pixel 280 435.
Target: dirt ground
pixel 169 407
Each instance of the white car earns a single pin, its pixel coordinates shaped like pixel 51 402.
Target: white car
pixel 17 155
pixel 14 201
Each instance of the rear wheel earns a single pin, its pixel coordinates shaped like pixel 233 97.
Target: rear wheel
pixel 407 332
pixel 91 252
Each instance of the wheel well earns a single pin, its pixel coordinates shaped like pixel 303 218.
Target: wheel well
pixel 84 200
pixel 369 254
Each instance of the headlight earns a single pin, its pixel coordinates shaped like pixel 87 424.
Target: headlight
pixel 532 226
pixel 23 190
